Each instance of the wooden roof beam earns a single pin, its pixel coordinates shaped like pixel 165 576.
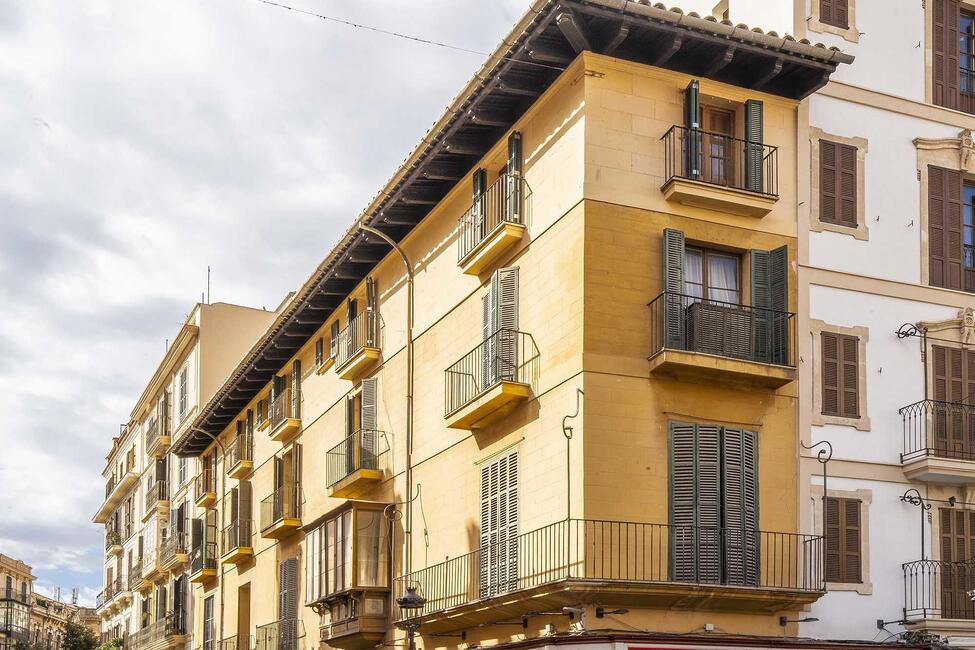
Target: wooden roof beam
pixel 616 39
pixel 772 70
pixel 670 48
pixel 720 60
pixel 574 30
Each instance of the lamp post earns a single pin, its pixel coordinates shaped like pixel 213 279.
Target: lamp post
pixel 913 497
pixel 409 604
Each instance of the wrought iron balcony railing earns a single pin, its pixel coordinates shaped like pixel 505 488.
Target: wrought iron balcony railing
pixel 283 408
pixel 361 332
pixel 506 355
pixel 203 557
pixel 936 589
pixel 112 538
pixel 173 624
pixel 719 159
pixel 280 635
pixel 361 450
pixel 241 448
pixel 158 492
pixel 204 482
pixel 237 535
pixel 175 544
pixel 19 595
pixel 725 329
pixel 623 552
pixel 283 503
pixel 506 201
pixel 236 642
pixel 156 428
pixel 940 429
pixel 135 575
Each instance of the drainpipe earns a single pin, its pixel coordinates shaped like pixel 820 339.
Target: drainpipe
pixel 223 488
pixel 408 526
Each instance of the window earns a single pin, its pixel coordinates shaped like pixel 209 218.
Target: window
pixel 952 56
pixel 840 368
pixel 499 525
pixel 835 13
pixel 838 183
pixel 714 504
pixel 953 386
pixel 329 569
pixel 208 623
pixel 184 397
pixel 843 561
pixel 712 274
pixel 951 230
pixel 966 55
pixel 499 354
pixel 319 352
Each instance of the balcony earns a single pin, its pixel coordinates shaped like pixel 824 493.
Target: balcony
pixel 237 542
pixel 151 567
pixel 107 598
pixel 205 488
pixel 285 634
pixel 621 564
pixel 357 348
pixel 724 173
pixel 157 501
pixel 166 633
pixel 356 464
pixel 281 512
pixel 157 438
pixel 232 643
pixel 939 442
pixel 493 225
pixel 491 380
pixel 711 340
pixel 239 459
pixel 173 552
pixel 15 595
pixel 116 487
pixel 936 597
pixel 284 416
pixel 136 582
pixel 203 562
pixel 113 542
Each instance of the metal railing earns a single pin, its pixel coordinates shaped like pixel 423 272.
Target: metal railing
pixel 173 624
pixel 204 482
pixel 171 546
pixel 112 538
pixel 203 556
pixel 110 484
pixel 282 408
pixel 111 590
pixel 280 635
pixel 506 355
pixel 361 450
pixel 719 159
pixel 21 596
pixel 154 431
pixel 241 448
pixel 361 332
pixel 506 201
pixel 936 428
pixel 283 503
pixel 726 329
pixel 237 535
pixel 236 642
pixel 623 552
pixel 936 589
pixel 135 575
pixel 158 492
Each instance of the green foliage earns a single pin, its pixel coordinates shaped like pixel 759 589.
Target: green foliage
pixel 79 637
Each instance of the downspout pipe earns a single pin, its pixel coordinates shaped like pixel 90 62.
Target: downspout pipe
pixel 408 524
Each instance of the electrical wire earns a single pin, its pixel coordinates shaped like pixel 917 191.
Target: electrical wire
pixel 416 39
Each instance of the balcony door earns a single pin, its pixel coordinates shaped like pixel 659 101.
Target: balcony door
pixel 718 145
pixel 953 375
pixel 957 562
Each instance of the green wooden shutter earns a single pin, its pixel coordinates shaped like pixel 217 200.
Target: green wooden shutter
pixel 372 314
pixel 754 137
pixel 739 483
pixel 695 502
pixel 708 452
pixel 479 186
pixel 682 502
pixel 196 534
pixel 692 137
pixel 368 441
pixel 296 478
pixel 514 178
pixel 288 604
pixel 673 308
pixel 296 389
pixel 761 293
pixel 779 329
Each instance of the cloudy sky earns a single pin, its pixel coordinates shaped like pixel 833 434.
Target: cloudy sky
pixel 143 141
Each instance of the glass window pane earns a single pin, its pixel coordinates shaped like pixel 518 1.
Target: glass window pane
pixel 347 550
pixel 330 558
pixel 693 273
pixel 371 547
pixel 723 278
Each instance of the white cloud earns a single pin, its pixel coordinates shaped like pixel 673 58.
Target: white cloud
pixel 145 141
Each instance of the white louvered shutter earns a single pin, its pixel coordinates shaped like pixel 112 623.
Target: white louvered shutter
pixel 367 442
pixel 499 525
pixel 507 324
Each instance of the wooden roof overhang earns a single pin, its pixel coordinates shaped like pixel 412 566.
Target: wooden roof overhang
pixel 546 40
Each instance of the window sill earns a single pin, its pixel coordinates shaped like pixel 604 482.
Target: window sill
pixel 862 588
pixel 858 232
pixel 850 33
pixel 860 423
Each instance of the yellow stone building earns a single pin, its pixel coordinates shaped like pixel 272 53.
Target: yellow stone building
pixel 547 380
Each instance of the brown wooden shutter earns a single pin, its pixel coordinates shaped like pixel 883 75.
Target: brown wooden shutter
pixel 945 71
pixel 835 13
pixel 850 376
pixel 843 540
pixel 831 373
pixel 944 227
pixel 837 183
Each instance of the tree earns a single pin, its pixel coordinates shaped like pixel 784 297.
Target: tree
pixel 78 637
